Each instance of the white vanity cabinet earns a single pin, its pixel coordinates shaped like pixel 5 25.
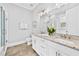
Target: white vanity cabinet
pixel 46 47
pixel 43 47
pixel 54 49
pixel 66 51
pixel 38 44
pixel 60 53
pixel 62 50
pixel 35 43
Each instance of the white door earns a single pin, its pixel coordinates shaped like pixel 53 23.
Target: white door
pixel 2 31
pixel 2 26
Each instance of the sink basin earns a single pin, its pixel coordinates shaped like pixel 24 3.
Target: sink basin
pixel 45 35
pixel 65 41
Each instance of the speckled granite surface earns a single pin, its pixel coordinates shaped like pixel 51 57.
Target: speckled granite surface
pixel 75 42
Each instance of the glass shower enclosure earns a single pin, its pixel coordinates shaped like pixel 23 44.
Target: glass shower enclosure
pixel 2 30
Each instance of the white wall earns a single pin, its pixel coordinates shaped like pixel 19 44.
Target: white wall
pixel 17 15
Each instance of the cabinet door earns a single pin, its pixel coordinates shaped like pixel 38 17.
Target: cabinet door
pixel 41 46
pixel 36 43
pixel 43 50
pixel 52 48
pixel 66 51
pixel 52 51
pixel 33 43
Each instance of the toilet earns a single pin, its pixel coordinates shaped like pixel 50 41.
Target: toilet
pixel 29 40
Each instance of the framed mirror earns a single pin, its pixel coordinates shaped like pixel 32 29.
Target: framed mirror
pixel 67 22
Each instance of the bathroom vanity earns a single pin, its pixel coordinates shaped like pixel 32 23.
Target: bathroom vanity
pixel 66 21
pixel 49 46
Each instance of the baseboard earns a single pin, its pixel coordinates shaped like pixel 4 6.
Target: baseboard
pixel 2 52
pixel 15 43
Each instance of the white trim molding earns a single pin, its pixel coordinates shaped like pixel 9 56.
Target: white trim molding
pixel 15 43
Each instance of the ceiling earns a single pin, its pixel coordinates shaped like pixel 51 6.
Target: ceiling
pixel 43 6
pixel 32 6
pixel 29 6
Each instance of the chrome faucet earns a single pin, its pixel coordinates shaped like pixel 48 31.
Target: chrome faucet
pixel 63 35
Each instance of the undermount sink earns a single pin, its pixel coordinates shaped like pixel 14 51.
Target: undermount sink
pixel 44 35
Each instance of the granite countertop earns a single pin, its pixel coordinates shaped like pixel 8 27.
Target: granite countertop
pixel 73 43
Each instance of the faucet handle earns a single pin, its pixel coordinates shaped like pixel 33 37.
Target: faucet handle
pixel 65 36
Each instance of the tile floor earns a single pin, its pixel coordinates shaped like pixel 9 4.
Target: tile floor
pixel 21 50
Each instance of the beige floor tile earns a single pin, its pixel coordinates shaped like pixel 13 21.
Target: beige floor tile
pixel 21 50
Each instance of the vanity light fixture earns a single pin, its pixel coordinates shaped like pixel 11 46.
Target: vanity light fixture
pixel 58 5
pixel 44 11
pixel 52 16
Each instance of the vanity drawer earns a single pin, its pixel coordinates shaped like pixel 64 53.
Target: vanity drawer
pixel 43 50
pixel 69 51
pixel 63 50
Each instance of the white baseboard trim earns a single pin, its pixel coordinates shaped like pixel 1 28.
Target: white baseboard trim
pixel 15 43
